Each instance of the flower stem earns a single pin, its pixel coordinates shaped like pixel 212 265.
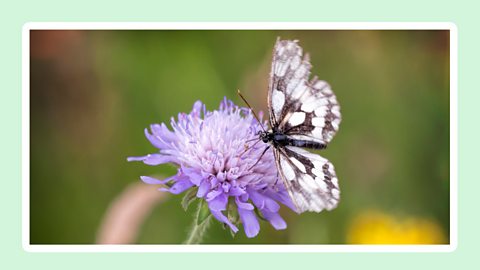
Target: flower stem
pixel 200 224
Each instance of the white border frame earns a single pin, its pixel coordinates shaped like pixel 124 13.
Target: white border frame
pixel 237 26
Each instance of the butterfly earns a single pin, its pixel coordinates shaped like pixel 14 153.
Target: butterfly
pixel 303 113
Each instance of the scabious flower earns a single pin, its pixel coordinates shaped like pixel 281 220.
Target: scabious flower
pixel 216 153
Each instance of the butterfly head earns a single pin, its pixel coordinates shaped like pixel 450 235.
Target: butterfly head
pixel 265 136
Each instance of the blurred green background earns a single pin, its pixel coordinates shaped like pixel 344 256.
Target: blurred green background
pixel 93 92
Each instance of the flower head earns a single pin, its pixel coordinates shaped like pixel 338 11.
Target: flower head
pixel 216 153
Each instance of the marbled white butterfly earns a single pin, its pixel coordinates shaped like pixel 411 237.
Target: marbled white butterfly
pixel 303 113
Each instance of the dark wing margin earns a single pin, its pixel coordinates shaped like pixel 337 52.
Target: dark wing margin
pixel 309 178
pixel 302 109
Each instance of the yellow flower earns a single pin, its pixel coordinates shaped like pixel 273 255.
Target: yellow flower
pixel 373 227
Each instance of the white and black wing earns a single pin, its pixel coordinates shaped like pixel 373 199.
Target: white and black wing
pixel 301 108
pixel 306 110
pixel 309 178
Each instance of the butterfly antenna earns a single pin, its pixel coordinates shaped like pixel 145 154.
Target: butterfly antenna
pixel 250 107
pixel 248 147
pixel 251 140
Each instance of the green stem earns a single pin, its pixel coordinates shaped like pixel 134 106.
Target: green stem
pixel 199 226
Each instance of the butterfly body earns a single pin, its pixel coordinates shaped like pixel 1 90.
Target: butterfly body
pixel 279 139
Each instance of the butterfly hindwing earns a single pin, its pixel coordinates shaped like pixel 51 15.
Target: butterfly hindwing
pixel 309 178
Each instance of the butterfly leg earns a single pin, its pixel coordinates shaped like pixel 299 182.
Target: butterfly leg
pixel 247 147
pixel 263 153
pixel 276 181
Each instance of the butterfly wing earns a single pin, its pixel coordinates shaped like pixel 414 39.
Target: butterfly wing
pixel 309 178
pixel 301 108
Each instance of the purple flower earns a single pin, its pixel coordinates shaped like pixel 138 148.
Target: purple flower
pixel 210 151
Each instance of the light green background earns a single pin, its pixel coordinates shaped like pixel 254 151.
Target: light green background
pixel 14 15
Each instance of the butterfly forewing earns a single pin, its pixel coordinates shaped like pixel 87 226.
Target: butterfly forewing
pixel 306 110
pixel 300 107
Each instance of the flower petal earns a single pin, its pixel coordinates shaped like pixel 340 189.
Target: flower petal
pixel 157 159
pixel 283 197
pixel 142 158
pixel 203 188
pixel 154 181
pixel 275 219
pixel 226 187
pixel 219 203
pixel 272 205
pixel 179 187
pixel 243 205
pixel 257 199
pixel 250 222
pixel 236 191
pixel 213 194
pixel 262 201
pixel 222 218
pixel 221 176
pixel 163 132
pixel 153 159
pixel 154 140
pixel 197 107
pixel 193 174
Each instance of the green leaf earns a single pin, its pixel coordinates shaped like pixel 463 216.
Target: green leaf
pixel 232 212
pixel 232 215
pixel 189 197
pixel 203 212
pixel 232 233
pixel 200 225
